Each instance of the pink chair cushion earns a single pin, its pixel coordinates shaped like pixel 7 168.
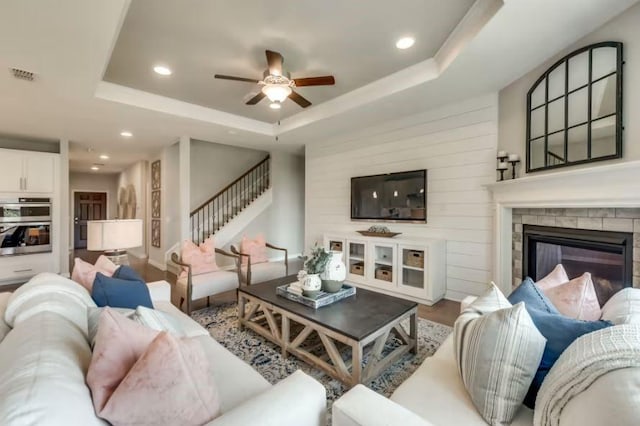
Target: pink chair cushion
pixel 256 249
pixel 84 273
pixel 576 298
pixel 169 385
pixel 119 343
pixel 555 278
pixel 201 258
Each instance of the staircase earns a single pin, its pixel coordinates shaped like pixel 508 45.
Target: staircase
pixel 210 217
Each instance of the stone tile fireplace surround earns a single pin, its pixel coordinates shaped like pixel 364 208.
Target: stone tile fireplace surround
pixel 599 219
pixel 605 197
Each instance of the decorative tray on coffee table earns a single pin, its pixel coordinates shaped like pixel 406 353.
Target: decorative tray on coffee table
pixel 320 300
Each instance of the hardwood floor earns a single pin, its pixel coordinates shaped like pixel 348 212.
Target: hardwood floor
pixel 444 312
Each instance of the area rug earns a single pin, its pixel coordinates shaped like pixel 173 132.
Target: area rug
pixel 265 357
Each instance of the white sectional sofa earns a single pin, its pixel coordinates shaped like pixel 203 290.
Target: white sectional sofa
pixel 44 360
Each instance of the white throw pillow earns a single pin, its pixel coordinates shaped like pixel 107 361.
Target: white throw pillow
pixel 52 293
pixel 4 327
pixel 498 349
pixel 623 307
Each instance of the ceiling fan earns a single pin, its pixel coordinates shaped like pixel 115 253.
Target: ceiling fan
pixel 278 85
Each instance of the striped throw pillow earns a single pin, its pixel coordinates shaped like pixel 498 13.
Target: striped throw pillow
pixel 498 349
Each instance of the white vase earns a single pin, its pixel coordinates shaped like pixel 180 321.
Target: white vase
pixel 311 284
pixel 334 273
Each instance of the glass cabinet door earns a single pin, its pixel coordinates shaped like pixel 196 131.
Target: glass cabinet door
pixel 383 273
pixel 356 258
pixel 412 262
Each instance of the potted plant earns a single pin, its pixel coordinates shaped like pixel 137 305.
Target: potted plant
pixel 314 265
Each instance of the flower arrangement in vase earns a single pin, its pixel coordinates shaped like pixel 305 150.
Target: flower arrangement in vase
pixel 314 265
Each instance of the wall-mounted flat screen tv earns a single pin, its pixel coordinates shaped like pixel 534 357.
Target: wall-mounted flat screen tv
pixel 393 197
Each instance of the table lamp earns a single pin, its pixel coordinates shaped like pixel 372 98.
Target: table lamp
pixel 114 237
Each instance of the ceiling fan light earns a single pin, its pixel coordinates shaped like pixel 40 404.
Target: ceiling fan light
pixel 277 92
pixel 275 105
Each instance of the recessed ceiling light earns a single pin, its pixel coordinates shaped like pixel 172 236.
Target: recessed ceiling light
pixel 104 157
pixel 162 70
pixel 275 105
pixel 405 42
pixel 95 168
pixel 126 134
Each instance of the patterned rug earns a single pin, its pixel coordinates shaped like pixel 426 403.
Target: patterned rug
pixel 264 356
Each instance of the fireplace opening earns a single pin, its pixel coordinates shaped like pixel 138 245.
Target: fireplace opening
pixel 606 255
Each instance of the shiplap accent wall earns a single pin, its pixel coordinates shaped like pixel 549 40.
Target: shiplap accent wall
pixel 457 144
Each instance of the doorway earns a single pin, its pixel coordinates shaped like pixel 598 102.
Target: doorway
pixel 87 206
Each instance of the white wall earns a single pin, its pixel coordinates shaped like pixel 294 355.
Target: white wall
pixel 136 175
pixel 457 144
pixel 214 166
pixel 513 98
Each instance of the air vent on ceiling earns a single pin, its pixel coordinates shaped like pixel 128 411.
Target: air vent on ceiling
pixel 22 74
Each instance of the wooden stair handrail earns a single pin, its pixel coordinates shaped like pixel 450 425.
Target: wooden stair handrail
pixel 230 185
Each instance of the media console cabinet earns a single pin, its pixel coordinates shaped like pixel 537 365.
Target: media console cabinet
pixel 410 268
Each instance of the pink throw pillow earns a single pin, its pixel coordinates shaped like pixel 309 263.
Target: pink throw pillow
pixel 256 249
pixel 202 259
pixel 576 298
pixel 120 341
pixel 555 278
pixel 84 273
pixel 169 384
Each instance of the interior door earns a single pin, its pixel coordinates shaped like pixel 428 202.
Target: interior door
pixel 87 206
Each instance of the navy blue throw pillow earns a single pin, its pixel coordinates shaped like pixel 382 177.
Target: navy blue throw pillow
pixel 532 297
pixel 559 330
pixel 125 272
pixel 118 293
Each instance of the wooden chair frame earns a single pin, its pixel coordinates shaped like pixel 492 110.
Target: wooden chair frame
pixel 175 258
pixel 237 252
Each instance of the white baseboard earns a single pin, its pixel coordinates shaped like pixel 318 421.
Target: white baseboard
pixel 160 265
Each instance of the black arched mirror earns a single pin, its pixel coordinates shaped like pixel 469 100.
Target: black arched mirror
pixel 574 110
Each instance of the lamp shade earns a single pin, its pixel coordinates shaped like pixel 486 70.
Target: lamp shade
pixel 108 235
pixel 277 92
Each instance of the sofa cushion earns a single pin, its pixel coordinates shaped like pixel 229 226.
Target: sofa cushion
pixel 48 292
pixel 554 278
pixel 576 298
pixel 42 380
pixel 4 327
pixel 532 297
pixel 120 342
pixel 187 326
pixel 127 273
pixel 117 293
pixel 93 320
pixel 264 272
pixel 169 384
pixel 435 392
pixel 560 332
pixel 208 284
pixel 623 307
pixel 84 273
pixel 498 354
pixel 256 249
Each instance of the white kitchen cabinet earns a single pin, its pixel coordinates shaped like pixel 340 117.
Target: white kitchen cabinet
pixel 410 268
pixel 27 171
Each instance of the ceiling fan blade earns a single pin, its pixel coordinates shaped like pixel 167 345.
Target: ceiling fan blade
pixel 274 60
pixel 297 98
pixel 326 80
pixel 257 98
pixel 230 77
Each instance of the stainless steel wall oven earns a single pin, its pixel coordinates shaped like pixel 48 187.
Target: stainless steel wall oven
pixel 25 226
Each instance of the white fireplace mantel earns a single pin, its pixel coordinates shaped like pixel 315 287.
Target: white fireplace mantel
pixel 609 185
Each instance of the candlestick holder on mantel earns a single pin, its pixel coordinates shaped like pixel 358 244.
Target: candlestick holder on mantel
pixel 503 158
pixel 502 164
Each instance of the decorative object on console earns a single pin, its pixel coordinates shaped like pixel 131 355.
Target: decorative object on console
pixel 574 110
pixel 378 231
pixel 513 160
pixel 114 237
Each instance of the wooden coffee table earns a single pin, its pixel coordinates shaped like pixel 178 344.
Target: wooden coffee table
pixel 351 326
